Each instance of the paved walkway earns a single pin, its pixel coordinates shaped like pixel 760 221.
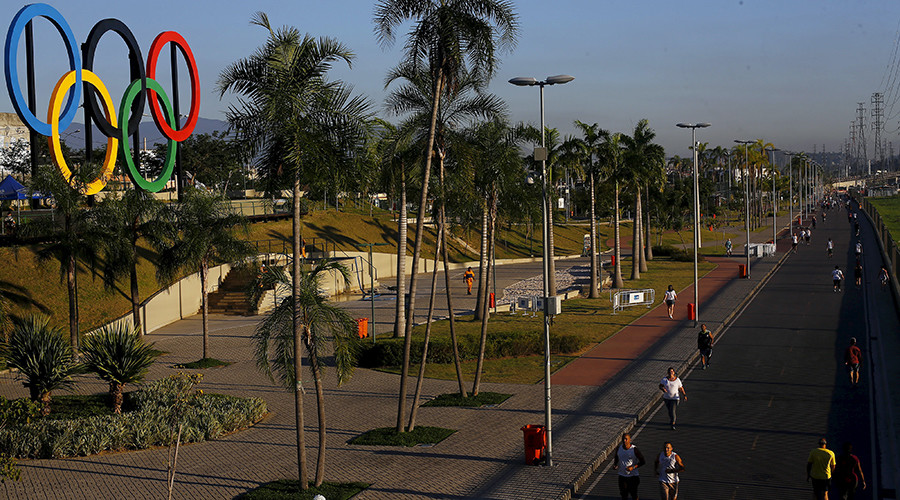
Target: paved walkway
pixel 482 460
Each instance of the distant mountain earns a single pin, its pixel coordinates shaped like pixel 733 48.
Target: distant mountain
pixel 75 140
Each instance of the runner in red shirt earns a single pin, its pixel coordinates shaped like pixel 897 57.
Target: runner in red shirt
pixel 852 358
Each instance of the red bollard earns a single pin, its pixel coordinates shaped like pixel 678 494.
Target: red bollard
pixel 612 260
pixel 692 312
pixel 493 302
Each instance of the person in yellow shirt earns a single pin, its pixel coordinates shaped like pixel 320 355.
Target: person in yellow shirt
pixel 469 278
pixel 819 468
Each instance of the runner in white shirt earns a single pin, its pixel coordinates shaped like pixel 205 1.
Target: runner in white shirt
pixel 671 296
pixel 628 459
pixel 672 389
pixel 667 465
pixel 837 276
pixel 830 248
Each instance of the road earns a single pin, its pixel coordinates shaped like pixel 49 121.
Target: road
pixel 776 383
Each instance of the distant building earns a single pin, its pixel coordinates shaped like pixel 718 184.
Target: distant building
pixel 12 129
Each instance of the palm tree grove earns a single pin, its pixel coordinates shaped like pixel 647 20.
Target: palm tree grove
pixel 334 292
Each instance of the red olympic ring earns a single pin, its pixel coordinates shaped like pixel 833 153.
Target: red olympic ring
pixel 185 131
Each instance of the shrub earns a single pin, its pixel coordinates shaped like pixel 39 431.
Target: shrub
pixel 209 416
pixel 676 254
pixel 440 350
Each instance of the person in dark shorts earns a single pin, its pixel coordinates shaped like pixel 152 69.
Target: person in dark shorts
pixel 853 358
pixel 848 474
pixel 671 296
pixel 819 468
pixel 628 459
pixel 836 276
pixel 857 274
pixel 704 344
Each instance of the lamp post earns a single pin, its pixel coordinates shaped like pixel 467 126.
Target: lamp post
pixel 694 127
pixel 744 178
pixel 774 206
pixel 542 156
pixel 790 192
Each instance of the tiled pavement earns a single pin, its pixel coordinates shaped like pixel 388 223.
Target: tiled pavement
pixel 483 459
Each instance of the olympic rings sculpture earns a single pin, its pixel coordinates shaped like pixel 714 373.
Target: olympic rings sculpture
pixel 116 127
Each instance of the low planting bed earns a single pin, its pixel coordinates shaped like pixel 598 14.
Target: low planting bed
pixel 147 421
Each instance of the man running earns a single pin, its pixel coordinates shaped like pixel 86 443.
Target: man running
pixel 830 248
pixel 704 344
pixel 884 277
pixel 858 249
pixel 857 274
pixel 819 467
pixel 852 359
pixel 469 278
pixel 728 246
pixel 794 243
pixel 836 276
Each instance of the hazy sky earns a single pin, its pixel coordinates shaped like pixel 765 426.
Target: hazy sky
pixel 788 71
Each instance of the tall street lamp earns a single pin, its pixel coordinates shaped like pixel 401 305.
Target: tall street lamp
pixel 694 127
pixel 745 180
pixel 524 81
pixel 790 192
pixel 774 203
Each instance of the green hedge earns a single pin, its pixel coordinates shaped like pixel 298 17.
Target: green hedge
pixel 676 254
pixel 499 345
pixel 209 416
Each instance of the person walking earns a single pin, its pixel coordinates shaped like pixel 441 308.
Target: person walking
pixel 829 247
pixel 848 474
pixel 469 278
pixel 628 459
pixel 673 390
pixel 808 235
pixel 667 466
pixel 704 344
pixel 884 277
pixel 836 276
pixel 819 467
pixel 671 296
pixel 728 246
pixel 852 359
pixel 794 243
pixel 857 273
pixel 858 249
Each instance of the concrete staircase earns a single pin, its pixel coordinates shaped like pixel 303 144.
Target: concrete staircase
pixel 231 297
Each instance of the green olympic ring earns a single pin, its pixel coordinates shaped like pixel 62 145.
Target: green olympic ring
pixel 124 110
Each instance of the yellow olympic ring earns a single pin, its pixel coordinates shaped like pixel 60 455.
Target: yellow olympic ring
pixel 112 144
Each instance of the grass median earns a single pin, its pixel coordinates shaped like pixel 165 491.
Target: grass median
pixel 592 319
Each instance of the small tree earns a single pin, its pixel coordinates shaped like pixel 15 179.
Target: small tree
pixel 43 358
pixel 118 355
pixel 13 412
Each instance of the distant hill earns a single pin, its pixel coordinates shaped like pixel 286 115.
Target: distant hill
pixel 75 140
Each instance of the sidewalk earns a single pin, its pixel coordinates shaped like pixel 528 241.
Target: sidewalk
pixel 484 459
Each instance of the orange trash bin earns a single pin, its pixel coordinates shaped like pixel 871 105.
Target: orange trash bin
pixel 493 303
pixel 535 443
pixel 742 270
pixel 692 311
pixel 362 327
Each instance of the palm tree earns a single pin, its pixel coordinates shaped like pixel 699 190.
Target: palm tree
pixel 644 159
pixel 201 234
pixel 589 145
pixel 461 103
pixel 297 123
pixel 42 356
pixel 117 354
pixel 123 222
pixel 611 156
pixel 321 323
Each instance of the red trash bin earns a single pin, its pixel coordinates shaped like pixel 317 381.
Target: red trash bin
pixel 362 327
pixel 535 443
pixel 742 270
pixel 493 303
pixel 612 260
pixel 692 311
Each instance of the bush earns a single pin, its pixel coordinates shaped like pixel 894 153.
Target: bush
pixel 676 254
pixel 209 416
pixel 440 350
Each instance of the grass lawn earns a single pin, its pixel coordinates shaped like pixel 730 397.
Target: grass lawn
pixel 889 210
pixel 591 318
pixel 482 399
pixel 387 436
pixel 287 489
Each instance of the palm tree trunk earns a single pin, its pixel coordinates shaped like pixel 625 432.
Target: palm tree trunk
pixel 636 249
pixel 640 221
pixel 320 407
pixel 400 316
pixel 415 406
pixel 482 263
pixel 72 289
pixel 417 251
pixel 298 340
pixel 485 303
pixel 453 340
pixel 595 292
pixel 115 394
pixel 618 282
pixel 648 238
pixel 135 296
pixel 204 276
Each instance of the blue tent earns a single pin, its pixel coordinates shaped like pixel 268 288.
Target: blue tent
pixel 11 189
